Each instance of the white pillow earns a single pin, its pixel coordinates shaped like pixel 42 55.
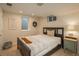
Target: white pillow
pixel 50 33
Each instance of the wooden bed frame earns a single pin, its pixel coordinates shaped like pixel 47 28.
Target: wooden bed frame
pixel 25 51
pixel 56 33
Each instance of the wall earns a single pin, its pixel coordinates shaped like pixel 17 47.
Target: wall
pixel 1 27
pixel 13 34
pixel 45 23
pixel 1 15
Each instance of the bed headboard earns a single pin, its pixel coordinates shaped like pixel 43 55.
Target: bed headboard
pixel 58 32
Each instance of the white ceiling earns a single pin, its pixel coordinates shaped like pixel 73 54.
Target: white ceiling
pixel 44 10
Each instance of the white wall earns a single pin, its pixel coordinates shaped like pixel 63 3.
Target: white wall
pixel 1 27
pixel 13 34
pixel 1 13
pixel 44 23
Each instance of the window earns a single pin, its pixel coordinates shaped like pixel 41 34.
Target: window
pixel 25 22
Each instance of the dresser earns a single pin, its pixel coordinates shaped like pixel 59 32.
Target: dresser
pixel 70 43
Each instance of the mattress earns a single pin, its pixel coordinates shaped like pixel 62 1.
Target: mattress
pixel 41 44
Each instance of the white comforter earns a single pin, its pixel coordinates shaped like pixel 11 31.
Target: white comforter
pixel 41 44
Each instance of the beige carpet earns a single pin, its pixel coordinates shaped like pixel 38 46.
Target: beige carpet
pixel 10 52
pixel 14 52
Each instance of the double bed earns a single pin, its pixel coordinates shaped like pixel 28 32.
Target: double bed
pixel 40 45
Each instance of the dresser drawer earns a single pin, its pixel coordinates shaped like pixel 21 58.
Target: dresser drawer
pixel 70 45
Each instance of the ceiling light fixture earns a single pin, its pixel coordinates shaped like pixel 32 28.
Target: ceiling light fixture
pixel 20 11
pixel 33 14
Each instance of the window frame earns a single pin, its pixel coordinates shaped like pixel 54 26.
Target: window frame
pixel 28 23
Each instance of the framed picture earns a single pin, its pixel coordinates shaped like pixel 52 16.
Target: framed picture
pixel 59 31
pixel 51 18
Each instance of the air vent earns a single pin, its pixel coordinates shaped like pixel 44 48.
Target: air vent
pixel 9 4
pixel 40 4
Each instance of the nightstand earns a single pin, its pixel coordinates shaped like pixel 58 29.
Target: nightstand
pixel 70 43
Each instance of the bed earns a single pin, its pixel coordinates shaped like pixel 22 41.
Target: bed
pixel 41 45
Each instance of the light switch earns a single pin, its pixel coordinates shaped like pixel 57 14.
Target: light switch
pixel 0 35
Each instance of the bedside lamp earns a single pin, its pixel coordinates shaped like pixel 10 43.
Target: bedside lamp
pixel 71 30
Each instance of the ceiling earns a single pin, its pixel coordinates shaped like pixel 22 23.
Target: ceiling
pixel 45 10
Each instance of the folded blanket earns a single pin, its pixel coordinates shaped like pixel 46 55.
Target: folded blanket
pixel 27 40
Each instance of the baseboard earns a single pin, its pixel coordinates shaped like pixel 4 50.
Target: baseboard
pixel 78 52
